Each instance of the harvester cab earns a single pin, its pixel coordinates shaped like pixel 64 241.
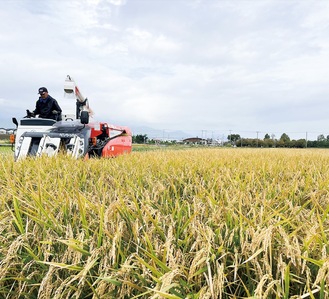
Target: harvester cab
pixel 74 135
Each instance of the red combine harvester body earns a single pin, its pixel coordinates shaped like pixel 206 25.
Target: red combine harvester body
pixel 73 135
pixel 115 145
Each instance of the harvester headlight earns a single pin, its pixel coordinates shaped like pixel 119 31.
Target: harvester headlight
pixel 12 138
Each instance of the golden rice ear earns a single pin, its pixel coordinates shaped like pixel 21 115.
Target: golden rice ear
pixel 166 222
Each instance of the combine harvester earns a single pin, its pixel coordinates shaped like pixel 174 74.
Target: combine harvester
pixel 74 135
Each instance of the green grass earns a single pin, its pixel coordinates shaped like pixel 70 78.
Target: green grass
pixel 193 223
pixel 6 150
pixel 158 147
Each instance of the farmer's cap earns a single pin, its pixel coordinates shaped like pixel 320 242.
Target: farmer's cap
pixel 42 90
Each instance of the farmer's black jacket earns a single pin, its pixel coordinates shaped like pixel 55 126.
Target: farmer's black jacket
pixel 45 108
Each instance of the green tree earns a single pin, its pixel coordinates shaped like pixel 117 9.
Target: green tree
pixel 268 142
pixel 300 143
pixel 233 137
pixel 267 136
pixel 285 138
pixel 140 138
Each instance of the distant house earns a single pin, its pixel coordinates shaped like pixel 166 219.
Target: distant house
pixel 6 131
pixel 194 140
pixel 197 140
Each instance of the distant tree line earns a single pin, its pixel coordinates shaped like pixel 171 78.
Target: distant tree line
pixel 321 142
pixel 284 141
pixel 267 141
pixel 142 138
pixel 139 138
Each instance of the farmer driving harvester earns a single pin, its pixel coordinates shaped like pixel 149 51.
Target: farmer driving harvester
pixel 46 106
pixel 74 135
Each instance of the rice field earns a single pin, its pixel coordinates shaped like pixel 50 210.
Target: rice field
pixel 192 223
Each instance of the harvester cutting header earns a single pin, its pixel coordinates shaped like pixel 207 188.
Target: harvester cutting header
pixel 71 132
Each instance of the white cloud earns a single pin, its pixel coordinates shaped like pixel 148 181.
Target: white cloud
pixel 117 2
pixel 215 65
pixel 316 15
pixel 146 42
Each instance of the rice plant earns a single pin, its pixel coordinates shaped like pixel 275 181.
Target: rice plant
pixel 192 223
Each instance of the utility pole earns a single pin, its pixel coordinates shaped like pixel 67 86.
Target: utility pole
pixel 257 138
pixel 306 141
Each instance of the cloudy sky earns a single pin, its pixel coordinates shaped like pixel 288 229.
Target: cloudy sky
pixel 206 67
